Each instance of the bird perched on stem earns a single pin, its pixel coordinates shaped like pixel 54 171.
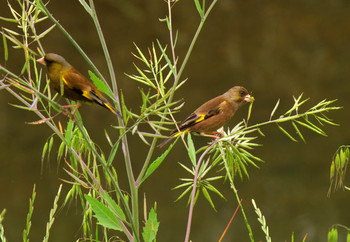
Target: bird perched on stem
pixel 213 114
pixel 70 83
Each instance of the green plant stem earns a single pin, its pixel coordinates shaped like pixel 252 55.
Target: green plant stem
pixel 237 197
pixel 101 191
pixel 125 146
pixel 194 189
pixel 176 76
pixel 134 224
pixel 106 52
pixel 242 210
pixel 58 133
pixel 290 118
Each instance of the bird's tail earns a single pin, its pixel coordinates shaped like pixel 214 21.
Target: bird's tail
pixel 112 109
pixel 172 138
pixel 161 145
pixel 104 103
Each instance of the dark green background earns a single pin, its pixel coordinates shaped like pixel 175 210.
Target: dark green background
pixel 276 49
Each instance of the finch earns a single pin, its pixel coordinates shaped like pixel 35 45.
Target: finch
pixel 213 114
pixel 70 83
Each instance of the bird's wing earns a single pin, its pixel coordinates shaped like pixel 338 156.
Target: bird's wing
pixel 75 80
pixel 204 112
pixel 80 84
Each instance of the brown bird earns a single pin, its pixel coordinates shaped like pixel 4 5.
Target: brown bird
pixel 70 83
pixel 213 114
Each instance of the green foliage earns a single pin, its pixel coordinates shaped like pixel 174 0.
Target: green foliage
pixel 105 216
pixel 158 75
pixel 2 231
pixel 101 85
pixel 338 168
pixel 261 219
pixel 198 174
pixel 333 235
pixel 156 163
pixel 29 217
pixel 150 229
pixel 52 215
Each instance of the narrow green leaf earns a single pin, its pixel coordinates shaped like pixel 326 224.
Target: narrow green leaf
pixel 6 54
pixel 86 7
pixel 298 131
pixel 156 163
pixel 184 193
pixel 166 58
pixel 326 120
pixel 286 133
pixel 61 151
pixel 143 58
pixel 274 109
pixel 186 168
pixel 199 8
pixel 312 127
pixel 69 131
pixel 207 196
pixel 250 110
pixel 44 151
pixel 142 138
pixel 213 189
pixel 104 215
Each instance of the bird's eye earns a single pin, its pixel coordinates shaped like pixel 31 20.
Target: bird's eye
pixel 242 93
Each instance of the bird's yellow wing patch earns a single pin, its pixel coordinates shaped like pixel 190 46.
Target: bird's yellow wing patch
pixel 200 118
pixel 87 94
pixel 179 133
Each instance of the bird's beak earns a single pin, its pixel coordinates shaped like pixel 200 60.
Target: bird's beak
pixel 249 98
pixel 41 61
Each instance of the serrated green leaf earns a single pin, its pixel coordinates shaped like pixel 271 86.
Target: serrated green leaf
pixel 101 85
pixel 117 210
pixel 150 230
pixel 103 214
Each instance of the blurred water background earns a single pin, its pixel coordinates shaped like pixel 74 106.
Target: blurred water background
pixel 276 49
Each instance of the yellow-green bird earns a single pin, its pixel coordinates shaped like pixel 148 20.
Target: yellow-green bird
pixel 213 114
pixel 70 83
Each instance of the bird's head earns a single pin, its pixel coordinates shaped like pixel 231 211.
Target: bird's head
pixel 239 95
pixel 53 61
